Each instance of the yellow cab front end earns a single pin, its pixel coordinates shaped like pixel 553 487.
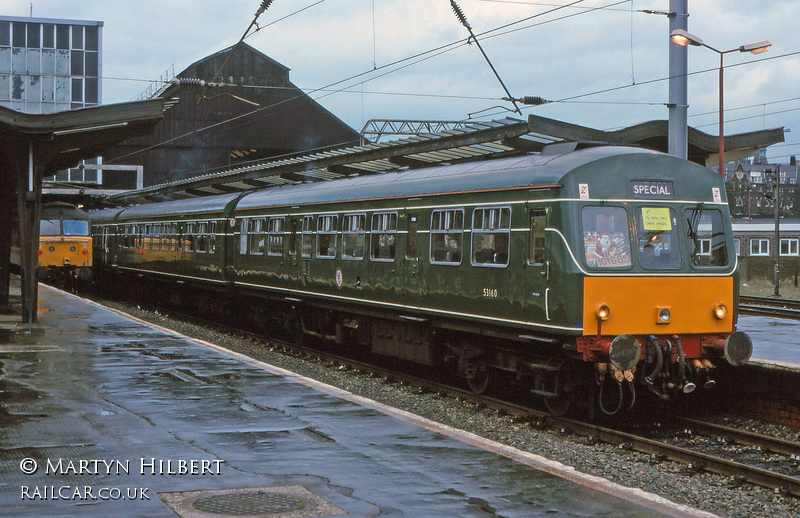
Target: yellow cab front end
pixel 660 294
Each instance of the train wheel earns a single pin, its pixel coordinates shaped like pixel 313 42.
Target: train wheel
pixel 559 406
pixel 479 378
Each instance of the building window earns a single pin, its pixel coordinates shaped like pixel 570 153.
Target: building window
pixel 737 244
pixel 789 246
pixel 759 247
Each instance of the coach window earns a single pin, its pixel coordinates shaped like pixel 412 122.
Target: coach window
pixel 190 239
pixel 244 226
pixel 353 236
pixel 147 237
pixel 707 244
pixel 171 232
pixel 212 237
pixel 141 237
pixel 202 237
pixel 789 247
pixel 447 228
pixel 536 238
pixel 491 228
pixel 326 236
pixel 179 231
pixel 156 239
pixel 256 236
pixel 307 238
pixel 606 241
pixel 383 236
pixel 293 237
pixel 275 236
pixel 411 236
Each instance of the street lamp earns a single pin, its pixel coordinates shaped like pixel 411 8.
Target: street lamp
pixel 684 38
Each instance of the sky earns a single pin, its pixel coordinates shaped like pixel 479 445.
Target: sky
pixel 603 63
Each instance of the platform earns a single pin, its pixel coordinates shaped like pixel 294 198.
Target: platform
pixel 107 415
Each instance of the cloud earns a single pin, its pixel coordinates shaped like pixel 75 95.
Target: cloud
pixel 548 55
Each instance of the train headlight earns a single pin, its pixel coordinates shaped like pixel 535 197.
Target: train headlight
pixel 603 312
pixel 72 249
pixel 720 310
pixel 52 249
pixel 664 314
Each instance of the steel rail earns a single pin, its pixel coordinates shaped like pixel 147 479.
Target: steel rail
pixel 776 481
pixel 770 306
pixel 743 437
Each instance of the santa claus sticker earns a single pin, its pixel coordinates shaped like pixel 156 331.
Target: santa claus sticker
pixel 605 237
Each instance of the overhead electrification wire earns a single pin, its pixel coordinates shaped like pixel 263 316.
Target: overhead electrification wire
pixel 422 56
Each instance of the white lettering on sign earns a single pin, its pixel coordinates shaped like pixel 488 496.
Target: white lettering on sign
pixel 651 190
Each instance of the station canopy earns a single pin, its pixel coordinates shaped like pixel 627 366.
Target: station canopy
pixel 470 140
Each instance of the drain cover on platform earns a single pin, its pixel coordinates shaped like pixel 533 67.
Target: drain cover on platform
pixel 272 502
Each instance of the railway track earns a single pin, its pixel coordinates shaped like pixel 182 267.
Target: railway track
pixel 770 306
pixel 736 470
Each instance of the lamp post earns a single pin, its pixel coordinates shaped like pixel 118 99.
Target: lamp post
pixel 684 38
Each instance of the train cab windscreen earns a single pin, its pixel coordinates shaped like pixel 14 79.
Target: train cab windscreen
pixel 658 237
pixel 50 227
pixel 706 237
pixel 76 227
pixel 605 237
pixel 66 227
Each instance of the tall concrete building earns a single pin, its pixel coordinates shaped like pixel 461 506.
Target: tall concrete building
pixel 49 65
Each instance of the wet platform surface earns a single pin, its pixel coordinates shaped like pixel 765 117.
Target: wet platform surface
pixel 774 339
pixel 107 415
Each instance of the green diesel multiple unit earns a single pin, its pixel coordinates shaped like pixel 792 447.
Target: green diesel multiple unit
pixel 605 267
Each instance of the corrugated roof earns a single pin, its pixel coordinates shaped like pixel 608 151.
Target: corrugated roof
pixel 476 141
